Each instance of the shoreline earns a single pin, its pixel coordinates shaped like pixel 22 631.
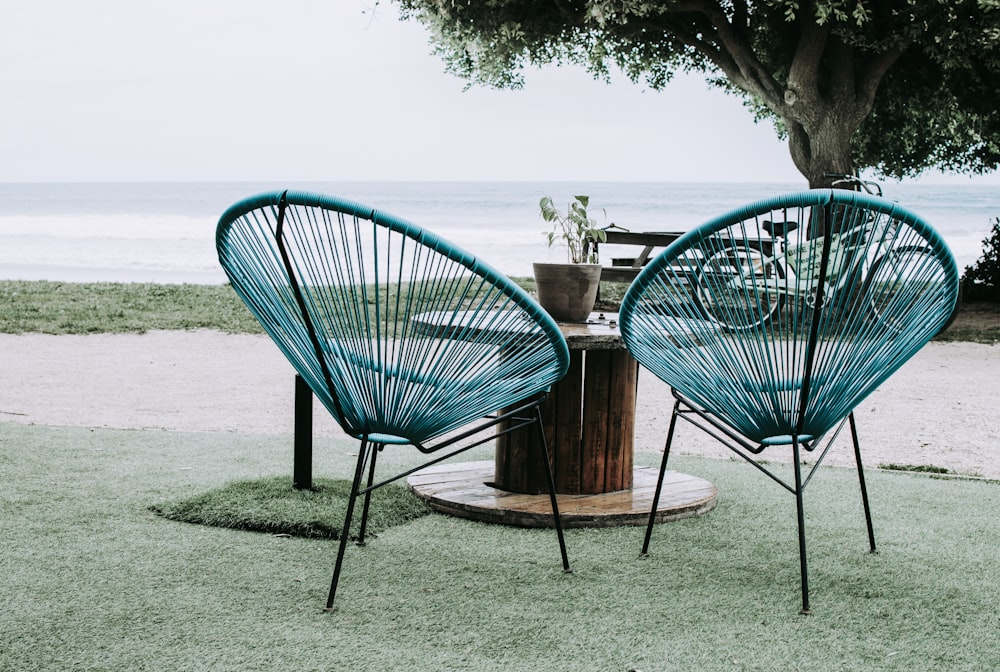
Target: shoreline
pixel 158 229
pixel 936 411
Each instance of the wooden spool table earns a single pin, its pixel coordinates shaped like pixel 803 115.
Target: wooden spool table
pixel 589 423
pixel 589 426
pixel 589 419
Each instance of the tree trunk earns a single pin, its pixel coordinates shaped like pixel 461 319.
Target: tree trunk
pixel 821 149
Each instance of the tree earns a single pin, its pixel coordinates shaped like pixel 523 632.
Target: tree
pixel 981 281
pixel 897 86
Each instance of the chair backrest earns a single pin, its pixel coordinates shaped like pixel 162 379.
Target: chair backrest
pixel 401 335
pixel 781 330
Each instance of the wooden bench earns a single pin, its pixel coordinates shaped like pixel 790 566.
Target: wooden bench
pixel 625 269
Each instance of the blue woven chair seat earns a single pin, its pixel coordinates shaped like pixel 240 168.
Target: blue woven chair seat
pixel 773 322
pixel 403 337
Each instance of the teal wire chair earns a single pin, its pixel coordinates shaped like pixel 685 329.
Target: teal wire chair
pixel 773 322
pixel 403 337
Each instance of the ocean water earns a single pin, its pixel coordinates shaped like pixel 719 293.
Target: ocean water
pixel 164 232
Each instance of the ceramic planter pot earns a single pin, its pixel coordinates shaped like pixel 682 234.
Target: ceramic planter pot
pixel 567 291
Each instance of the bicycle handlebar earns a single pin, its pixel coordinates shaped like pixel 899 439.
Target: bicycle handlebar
pixel 869 186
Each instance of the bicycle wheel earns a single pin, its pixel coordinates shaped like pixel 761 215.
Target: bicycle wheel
pixel 892 278
pixel 739 288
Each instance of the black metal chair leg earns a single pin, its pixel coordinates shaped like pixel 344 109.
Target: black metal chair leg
pixel 659 482
pixel 800 514
pixel 303 436
pixel 368 496
pixel 544 454
pixel 864 488
pixel 345 532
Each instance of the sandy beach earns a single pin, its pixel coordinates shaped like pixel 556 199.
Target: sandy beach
pixel 938 410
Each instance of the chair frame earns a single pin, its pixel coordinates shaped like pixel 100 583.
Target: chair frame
pixel 704 420
pixel 799 437
pixel 519 415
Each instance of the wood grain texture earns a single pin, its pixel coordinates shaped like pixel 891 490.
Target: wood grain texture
pixel 468 490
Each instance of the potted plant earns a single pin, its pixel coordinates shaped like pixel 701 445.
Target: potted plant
pixel 568 291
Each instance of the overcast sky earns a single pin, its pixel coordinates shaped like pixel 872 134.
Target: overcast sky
pixel 182 90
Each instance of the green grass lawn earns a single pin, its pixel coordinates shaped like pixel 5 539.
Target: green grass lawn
pixel 93 580
pixel 84 308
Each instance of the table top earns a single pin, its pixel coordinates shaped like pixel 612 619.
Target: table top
pixel 600 332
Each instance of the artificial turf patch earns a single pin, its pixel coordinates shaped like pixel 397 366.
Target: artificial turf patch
pixel 273 506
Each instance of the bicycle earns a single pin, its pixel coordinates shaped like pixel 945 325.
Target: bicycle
pixel 744 283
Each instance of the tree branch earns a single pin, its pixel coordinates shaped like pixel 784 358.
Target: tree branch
pixel 874 70
pixel 741 16
pixel 568 13
pixel 746 71
pixel 709 32
pixel 798 146
pixel 803 74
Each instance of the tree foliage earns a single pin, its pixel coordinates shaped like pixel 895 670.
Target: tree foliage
pixel 981 281
pixel 898 86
